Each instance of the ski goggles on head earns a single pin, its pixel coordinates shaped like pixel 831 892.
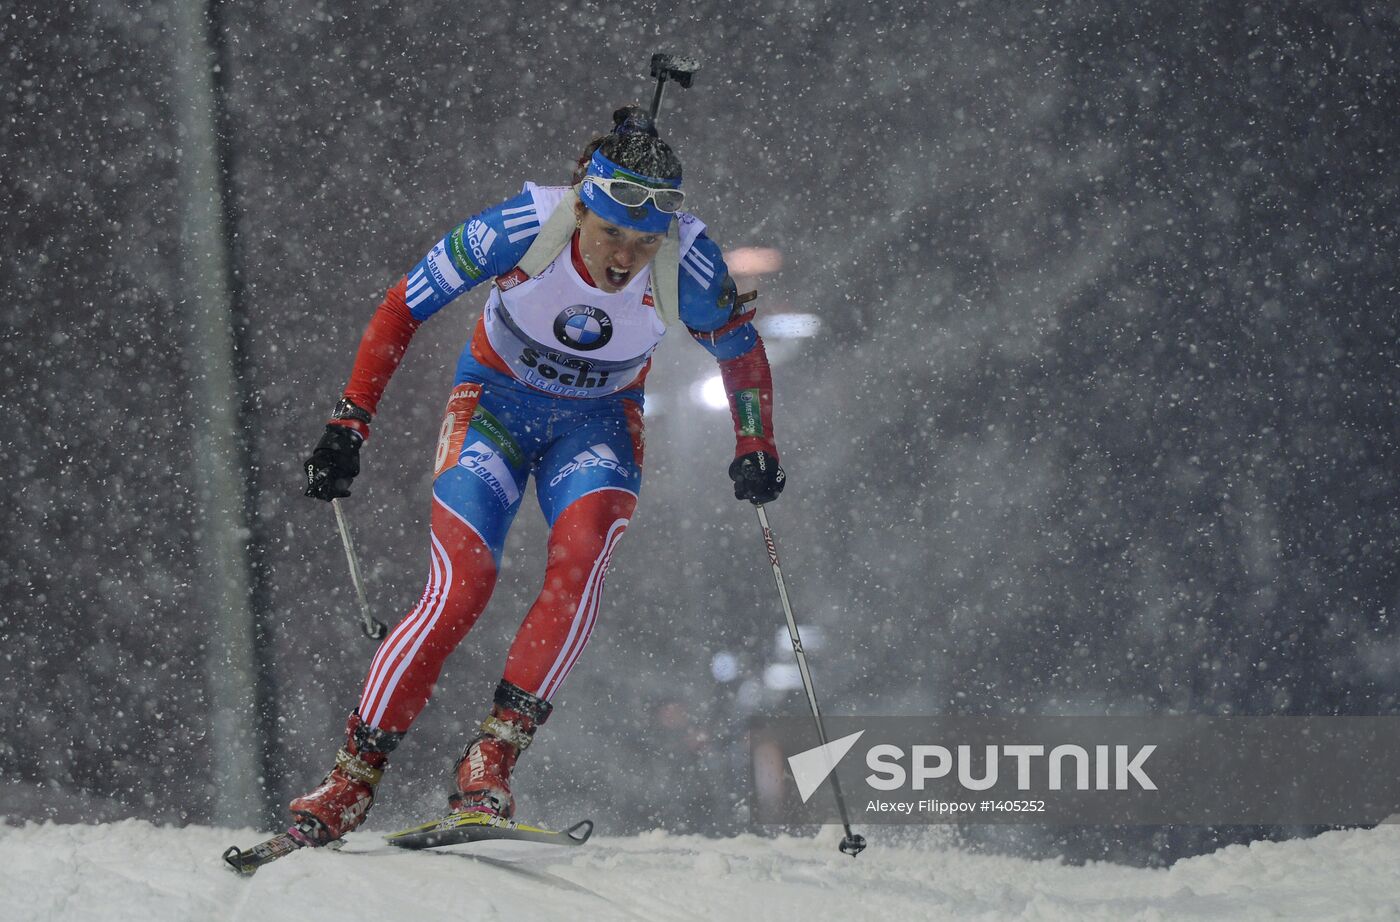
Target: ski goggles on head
pixel 633 194
pixel 606 189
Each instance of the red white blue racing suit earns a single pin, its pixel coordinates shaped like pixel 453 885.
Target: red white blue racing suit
pixel 550 385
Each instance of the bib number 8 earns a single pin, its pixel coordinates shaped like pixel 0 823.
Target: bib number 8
pixel 455 423
pixel 444 445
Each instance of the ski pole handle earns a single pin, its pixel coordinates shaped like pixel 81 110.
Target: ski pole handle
pixel 374 628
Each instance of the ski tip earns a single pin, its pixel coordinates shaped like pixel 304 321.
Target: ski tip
pixel 233 857
pixel 580 831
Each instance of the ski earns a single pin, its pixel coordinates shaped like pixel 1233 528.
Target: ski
pixel 247 861
pixel 457 828
pixel 453 829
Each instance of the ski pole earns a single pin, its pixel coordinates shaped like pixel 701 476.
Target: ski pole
pixel 374 628
pixel 853 844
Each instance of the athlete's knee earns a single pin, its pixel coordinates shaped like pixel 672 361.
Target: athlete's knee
pixel 584 537
pixel 462 572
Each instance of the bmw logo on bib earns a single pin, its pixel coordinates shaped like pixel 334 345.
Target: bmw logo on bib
pixel 583 327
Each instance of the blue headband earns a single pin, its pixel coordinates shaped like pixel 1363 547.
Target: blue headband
pixel 644 218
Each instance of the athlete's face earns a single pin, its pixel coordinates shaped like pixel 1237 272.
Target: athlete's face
pixel 614 255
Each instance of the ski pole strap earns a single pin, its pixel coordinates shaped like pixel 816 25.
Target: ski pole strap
pixel 345 409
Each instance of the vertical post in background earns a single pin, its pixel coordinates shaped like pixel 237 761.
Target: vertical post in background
pixel 232 666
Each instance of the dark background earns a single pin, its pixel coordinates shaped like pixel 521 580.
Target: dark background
pixel 1101 417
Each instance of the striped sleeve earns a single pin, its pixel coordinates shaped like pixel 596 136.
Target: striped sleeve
pixel 707 296
pixel 477 250
pixel 710 310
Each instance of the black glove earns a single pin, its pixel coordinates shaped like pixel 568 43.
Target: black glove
pixel 757 477
pixel 334 463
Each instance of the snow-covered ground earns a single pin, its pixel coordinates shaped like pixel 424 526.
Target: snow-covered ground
pixel 133 870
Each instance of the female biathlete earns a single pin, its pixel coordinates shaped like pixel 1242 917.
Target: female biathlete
pixel 583 281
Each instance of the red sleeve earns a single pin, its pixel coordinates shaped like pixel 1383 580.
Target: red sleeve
pixel 749 383
pixel 381 349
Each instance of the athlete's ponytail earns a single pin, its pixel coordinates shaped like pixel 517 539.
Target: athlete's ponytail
pixel 633 144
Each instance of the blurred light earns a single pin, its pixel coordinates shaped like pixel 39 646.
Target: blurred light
pixel 710 393
pixel 724 667
pixel 750 695
pixel 782 676
pixel 813 638
pixel 753 260
pixel 790 326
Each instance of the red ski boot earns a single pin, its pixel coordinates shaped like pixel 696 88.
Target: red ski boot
pixel 346 794
pixel 483 772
